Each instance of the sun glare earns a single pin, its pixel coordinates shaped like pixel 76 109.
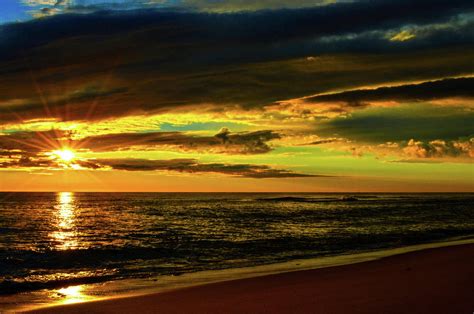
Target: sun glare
pixel 73 294
pixel 65 155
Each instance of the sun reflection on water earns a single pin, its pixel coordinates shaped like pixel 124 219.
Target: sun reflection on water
pixel 65 214
pixel 73 294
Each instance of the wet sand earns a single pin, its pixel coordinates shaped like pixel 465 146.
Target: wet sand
pixel 439 280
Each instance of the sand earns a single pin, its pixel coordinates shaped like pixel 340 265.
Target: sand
pixel 431 281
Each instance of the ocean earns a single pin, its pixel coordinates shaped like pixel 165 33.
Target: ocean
pixel 52 241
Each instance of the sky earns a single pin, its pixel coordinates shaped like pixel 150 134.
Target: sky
pixel 237 95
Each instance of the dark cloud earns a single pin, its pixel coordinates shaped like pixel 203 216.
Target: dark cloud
pixel 46 10
pixel 248 27
pixel 30 149
pixel 324 141
pixel 223 142
pixel 249 5
pixel 145 62
pixel 79 104
pixel 23 161
pixel 34 142
pixel 193 166
pixel 127 90
pixel 456 32
pixel 394 124
pixel 194 5
pixel 448 88
pixel 173 165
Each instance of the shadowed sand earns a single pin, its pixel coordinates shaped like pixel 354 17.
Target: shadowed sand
pixel 439 280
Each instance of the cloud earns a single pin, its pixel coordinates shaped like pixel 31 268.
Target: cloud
pixel 193 166
pixel 29 143
pixel 397 123
pixel 223 142
pixel 23 161
pixel 341 108
pixel 154 61
pixel 35 3
pixel 125 90
pixel 446 88
pixel 78 105
pixel 439 149
pixel 457 31
pixel 197 5
pixel 173 165
pixel 324 141
pixel 250 5
pixel 409 151
pixel 33 150
pixel 247 27
pixel 403 36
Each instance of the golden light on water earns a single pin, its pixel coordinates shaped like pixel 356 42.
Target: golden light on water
pixel 65 237
pixel 73 294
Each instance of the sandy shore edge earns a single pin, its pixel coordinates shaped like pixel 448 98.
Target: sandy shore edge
pixel 212 280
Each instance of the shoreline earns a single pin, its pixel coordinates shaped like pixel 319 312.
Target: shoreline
pixel 131 288
pixel 434 280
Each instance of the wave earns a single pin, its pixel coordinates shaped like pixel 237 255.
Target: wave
pixel 13 286
pixel 308 199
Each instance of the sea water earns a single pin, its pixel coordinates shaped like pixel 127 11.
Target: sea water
pixel 51 241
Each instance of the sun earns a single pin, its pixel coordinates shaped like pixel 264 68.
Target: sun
pixel 65 155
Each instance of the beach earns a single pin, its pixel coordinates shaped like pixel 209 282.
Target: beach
pixel 437 280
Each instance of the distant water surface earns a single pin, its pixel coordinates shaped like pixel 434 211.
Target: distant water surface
pixel 54 240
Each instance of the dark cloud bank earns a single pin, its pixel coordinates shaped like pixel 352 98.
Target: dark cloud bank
pixel 448 88
pixel 115 63
pixel 267 26
pixel 223 142
pixel 380 125
pixel 173 165
pixel 193 166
